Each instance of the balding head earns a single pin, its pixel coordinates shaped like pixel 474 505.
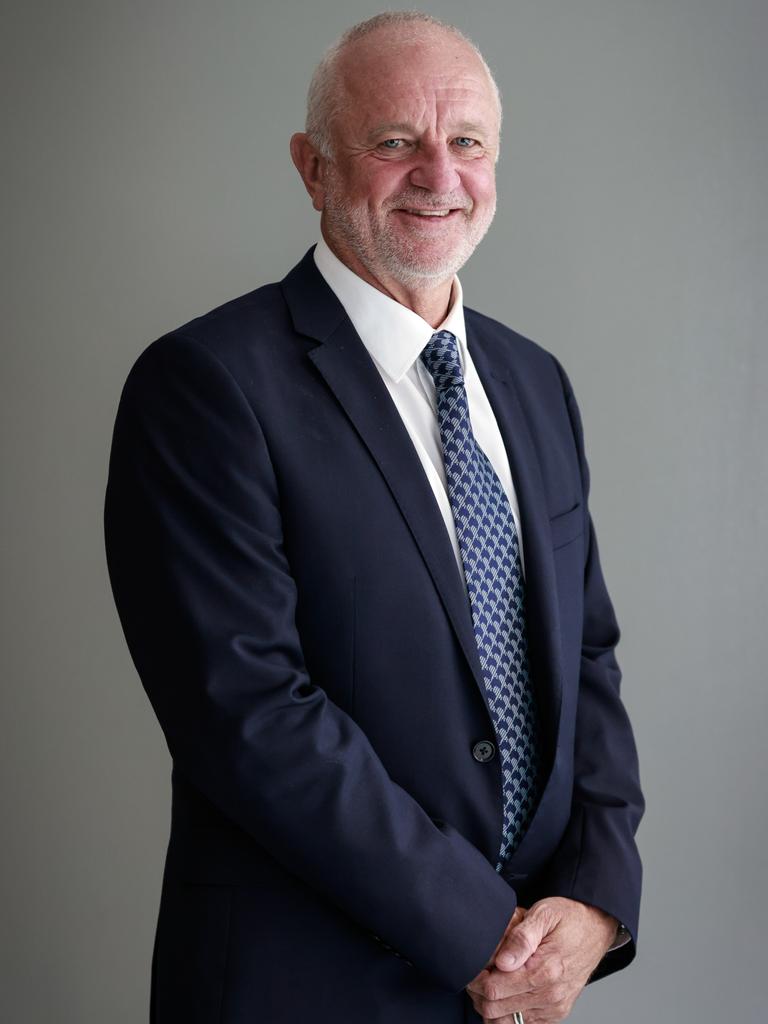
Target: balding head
pixel 354 54
pixel 400 153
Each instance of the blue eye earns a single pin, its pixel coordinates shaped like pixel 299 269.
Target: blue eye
pixel 464 142
pixel 394 143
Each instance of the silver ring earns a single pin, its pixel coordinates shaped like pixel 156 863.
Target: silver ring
pixel 517 1017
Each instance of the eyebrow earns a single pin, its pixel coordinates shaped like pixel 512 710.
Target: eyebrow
pixel 390 126
pixel 467 127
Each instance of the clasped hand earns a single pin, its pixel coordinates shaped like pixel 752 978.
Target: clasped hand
pixel 542 962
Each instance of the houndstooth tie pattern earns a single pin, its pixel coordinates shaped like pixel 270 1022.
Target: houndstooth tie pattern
pixel 490 553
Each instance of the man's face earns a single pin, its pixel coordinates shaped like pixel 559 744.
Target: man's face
pixel 411 189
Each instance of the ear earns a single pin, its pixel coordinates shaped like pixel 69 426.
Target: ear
pixel 311 166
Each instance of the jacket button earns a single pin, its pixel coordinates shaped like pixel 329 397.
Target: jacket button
pixel 483 751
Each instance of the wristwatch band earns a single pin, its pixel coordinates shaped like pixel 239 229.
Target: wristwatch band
pixel 621 938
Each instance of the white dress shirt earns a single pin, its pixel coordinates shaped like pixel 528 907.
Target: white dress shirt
pixel 395 336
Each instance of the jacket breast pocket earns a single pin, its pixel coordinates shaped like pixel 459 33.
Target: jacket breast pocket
pixel 567 526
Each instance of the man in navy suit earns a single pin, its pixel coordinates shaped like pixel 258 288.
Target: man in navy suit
pixel 287 555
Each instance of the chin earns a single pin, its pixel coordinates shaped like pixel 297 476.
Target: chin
pixel 409 269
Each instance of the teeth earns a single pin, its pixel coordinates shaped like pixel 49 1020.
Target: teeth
pixel 430 213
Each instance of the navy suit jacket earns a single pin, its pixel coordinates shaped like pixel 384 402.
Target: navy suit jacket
pixel 293 607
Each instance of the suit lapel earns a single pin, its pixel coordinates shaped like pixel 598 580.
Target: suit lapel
pixel 498 377
pixel 350 373
pixel 503 388
pixel 347 368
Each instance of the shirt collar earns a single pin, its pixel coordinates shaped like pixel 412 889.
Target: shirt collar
pixel 394 335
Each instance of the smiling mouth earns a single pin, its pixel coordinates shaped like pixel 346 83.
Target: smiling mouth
pixel 429 214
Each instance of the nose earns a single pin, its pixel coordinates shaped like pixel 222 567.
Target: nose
pixel 435 169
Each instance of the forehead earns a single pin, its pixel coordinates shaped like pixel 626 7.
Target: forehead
pixel 391 77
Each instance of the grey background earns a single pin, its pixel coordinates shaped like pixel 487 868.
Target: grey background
pixel 147 179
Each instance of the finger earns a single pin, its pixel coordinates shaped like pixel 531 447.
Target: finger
pixel 517 916
pixel 530 1017
pixel 524 939
pixel 497 1007
pixel 495 984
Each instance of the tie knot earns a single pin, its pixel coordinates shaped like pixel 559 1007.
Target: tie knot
pixel 441 358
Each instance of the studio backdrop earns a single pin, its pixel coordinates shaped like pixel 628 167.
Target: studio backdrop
pixel 147 180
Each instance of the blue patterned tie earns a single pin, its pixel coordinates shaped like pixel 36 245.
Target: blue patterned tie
pixel 490 552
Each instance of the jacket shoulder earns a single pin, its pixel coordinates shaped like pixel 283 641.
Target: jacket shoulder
pixel 522 351
pixel 505 335
pixel 239 329
pixel 258 312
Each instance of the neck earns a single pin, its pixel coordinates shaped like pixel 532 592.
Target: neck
pixel 431 301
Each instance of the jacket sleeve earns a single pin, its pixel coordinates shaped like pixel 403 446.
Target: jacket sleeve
pixel 207 603
pixel 598 861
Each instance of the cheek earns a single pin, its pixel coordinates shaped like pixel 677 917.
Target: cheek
pixel 384 182
pixel 481 185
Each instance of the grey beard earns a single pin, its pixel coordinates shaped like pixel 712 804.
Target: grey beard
pixel 396 257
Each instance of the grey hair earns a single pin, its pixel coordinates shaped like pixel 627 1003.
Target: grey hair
pixel 324 99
